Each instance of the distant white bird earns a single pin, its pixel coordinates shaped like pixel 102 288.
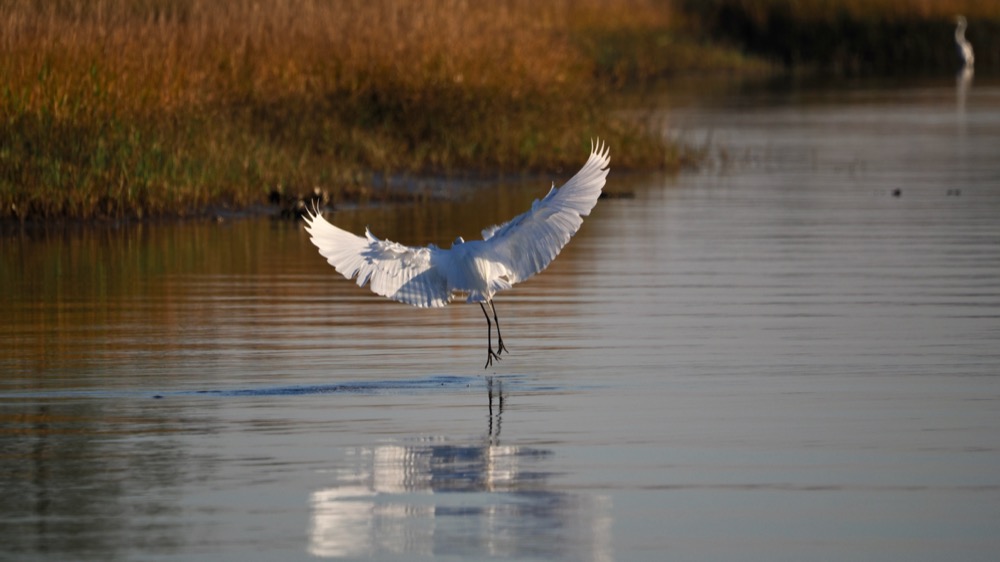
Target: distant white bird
pixel 507 254
pixel 964 47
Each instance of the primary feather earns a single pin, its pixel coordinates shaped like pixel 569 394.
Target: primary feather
pixel 508 253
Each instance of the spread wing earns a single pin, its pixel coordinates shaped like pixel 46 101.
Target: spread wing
pixel 402 273
pixel 530 241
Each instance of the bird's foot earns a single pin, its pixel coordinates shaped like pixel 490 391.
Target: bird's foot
pixel 490 356
pixel 501 347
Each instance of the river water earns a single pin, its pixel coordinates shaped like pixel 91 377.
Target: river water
pixel 792 354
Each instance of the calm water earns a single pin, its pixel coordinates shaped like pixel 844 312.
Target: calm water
pixel 777 358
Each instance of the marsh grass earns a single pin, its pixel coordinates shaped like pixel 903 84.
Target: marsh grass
pixel 119 108
pixel 146 107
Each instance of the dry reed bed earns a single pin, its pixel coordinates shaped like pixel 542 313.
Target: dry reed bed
pixel 147 107
pixel 137 107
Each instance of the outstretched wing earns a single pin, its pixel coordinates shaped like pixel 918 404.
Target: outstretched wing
pixel 530 241
pixel 392 270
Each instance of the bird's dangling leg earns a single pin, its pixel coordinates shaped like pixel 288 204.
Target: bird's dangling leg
pixel 500 346
pixel 490 356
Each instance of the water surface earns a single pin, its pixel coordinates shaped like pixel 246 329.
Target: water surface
pixel 789 355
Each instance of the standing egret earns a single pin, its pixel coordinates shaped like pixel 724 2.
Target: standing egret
pixel 964 47
pixel 508 253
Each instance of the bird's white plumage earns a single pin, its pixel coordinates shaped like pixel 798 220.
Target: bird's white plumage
pixel 964 47
pixel 509 253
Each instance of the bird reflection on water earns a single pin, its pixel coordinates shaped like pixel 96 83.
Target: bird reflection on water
pixel 494 435
pixel 442 498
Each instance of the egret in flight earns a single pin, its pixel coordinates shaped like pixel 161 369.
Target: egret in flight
pixel 508 253
pixel 964 47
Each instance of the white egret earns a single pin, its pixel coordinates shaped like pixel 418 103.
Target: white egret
pixel 964 47
pixel 508 253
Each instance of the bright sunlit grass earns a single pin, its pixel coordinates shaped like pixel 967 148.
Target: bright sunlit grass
pixel 146 107
pixel 138 107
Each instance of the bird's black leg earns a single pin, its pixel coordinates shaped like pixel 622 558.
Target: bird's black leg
pixel 490 356
pixel 500 346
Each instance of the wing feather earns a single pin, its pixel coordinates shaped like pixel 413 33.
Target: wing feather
pixel 508 254
pixel 530 241
pixel 402 273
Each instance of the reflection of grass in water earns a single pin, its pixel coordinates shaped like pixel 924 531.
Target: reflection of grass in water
pixel 853 35
pixel 128 107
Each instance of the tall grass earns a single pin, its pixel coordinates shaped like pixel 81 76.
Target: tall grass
pixel 137 107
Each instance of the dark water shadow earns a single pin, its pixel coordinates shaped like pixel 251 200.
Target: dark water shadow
pixel 419 385
pixel 404 386
pixel 517 383
pixel 376 387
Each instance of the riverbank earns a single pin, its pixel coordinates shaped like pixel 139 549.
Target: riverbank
pixel 139 108
pixel 136 108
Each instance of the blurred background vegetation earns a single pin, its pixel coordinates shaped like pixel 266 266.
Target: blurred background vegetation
pixel 852 36
pixel 134 108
